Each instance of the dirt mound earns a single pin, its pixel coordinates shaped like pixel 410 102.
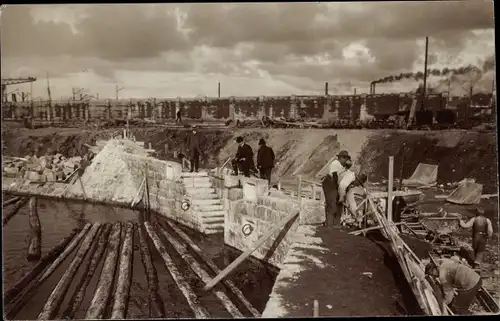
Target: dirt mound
pixel 459 154
pixel 71 142
pixel 299 151
pixel 474 156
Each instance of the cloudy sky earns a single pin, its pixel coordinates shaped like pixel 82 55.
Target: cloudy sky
pixel 170 50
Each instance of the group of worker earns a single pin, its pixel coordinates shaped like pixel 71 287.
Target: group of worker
pixel 242 162
pixel 338 187
pixel 458 279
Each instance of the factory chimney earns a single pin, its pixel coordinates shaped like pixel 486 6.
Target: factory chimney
pixel 326 88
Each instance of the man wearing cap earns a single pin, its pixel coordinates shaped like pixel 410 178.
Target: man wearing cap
pixel 482 230
pixel 243 159
pixel 194 149
pixel 455 277
pixel 265 160
pixel 330 185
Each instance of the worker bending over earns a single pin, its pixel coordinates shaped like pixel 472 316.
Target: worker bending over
pixel 243 160
pixel 455 277
pixel 330 185
pixel 482 230
pixel 347 185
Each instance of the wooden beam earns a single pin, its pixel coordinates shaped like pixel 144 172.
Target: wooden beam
pixel 202 274
pixel 390 187
pixel 122 291
pixel 103 290
pixel 230 268
pixel 56 297
pixel 208 261
pixel 199 311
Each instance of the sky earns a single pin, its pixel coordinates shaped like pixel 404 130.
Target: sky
pixel 252 49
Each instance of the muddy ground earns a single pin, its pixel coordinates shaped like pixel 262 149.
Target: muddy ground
pixel 360 278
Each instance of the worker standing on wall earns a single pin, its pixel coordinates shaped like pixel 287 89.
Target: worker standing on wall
pixel 194 149
pixel 482 230
pixel 330 185
pixel 265 160
pixel 243 160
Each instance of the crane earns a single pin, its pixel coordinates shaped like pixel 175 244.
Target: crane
pixel 14 81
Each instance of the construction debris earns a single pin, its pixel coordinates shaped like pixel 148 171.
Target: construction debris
pixel 50 168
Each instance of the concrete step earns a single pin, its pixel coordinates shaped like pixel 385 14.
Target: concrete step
pixel 204 196
pixel 197 184
pixel 199 190
pixel 209 208
pixel 211 214
pixel 196 180
pixel 213 220
pixel 209 201
pixel 199 174
pixel 214 230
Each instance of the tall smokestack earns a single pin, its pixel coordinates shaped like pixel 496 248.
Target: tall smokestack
pixel 424 91
pixel 218 89
pixel 354 91
pixel 373 89
pixel 326 88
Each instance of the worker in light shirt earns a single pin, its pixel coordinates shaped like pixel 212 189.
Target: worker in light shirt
pixel 330 185
pixel 347 185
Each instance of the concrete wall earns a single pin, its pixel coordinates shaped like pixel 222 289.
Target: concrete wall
pixel 212 109
pixel 251 213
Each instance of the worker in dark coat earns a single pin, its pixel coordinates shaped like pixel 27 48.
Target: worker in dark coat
pixel 330 185
pixel 178 116
pixel 194 149
pixel 265 160
pixel 243 160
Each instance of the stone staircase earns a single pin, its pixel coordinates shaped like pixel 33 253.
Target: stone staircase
pixel 205 201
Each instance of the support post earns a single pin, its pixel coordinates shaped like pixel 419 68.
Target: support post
pixel 35 245
pixel 299 188
pixel 390 188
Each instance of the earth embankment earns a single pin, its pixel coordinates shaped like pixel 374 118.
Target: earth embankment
pixel 459 154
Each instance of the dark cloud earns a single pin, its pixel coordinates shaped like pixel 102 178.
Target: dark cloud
pixel 277 35
pixel 111 32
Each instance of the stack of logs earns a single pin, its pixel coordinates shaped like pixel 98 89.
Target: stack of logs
pixel 114 243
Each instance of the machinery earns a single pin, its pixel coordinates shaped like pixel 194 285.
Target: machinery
pixel 13 81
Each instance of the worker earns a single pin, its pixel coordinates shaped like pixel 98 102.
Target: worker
pixel 350 180
pixel 330 185
pixel 398 207
pixel 265 160
pixel 458 278
pixel 178 116
pixel 243 160
pixel 194 149
pixel 482 230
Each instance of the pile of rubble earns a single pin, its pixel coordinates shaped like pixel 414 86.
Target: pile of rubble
pixel 42 169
